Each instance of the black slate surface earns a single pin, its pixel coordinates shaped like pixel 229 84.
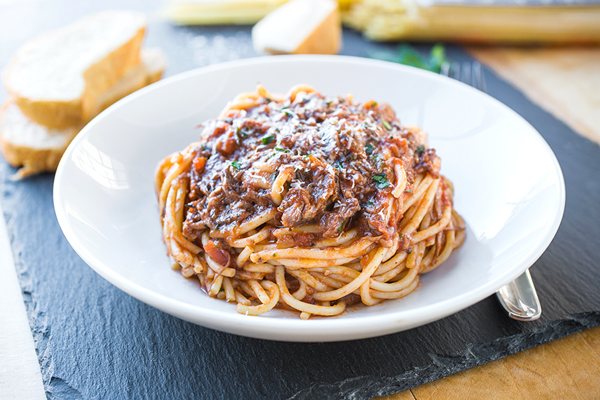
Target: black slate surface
pixel 94 341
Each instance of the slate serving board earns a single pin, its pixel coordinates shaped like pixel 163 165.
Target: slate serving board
pixel 94 341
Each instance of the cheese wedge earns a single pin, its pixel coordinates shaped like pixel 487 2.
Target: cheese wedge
pixel 57 77
pixel 36 148
pixel 300 27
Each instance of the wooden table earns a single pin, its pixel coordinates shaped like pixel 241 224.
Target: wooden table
pixel 565 82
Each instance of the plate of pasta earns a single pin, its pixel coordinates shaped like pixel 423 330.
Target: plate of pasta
pixel 309 198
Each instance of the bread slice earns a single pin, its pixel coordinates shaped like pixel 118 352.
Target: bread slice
pixel 36 148
pixel 57 77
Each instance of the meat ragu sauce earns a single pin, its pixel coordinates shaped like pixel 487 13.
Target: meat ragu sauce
pixel 339 157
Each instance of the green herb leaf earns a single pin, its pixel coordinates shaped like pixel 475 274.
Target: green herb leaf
pixel 420 149
pixel 267 139
pixel 401 236
pixel 341 227
pixel 409 56
pixel 369 148
pixel 236 165
pixel 282 149
pixel 387 125
pixel 381 180
pixel 437 58
pixel 306 157
pixel 240 134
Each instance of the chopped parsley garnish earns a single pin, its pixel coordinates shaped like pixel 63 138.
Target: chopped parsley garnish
pixel 288 113
pixel 420 149
pixel 217 227
pixel 391 138
pixel 274 254
pixel 240 134
pixel 401 236
pixel 307 157
pixel 236 165
pixel 282 149
pixel 408 191
pixel 267 139
pixel 328 102
pixel 387 125
pixel 381 180
pixel 369 148
pixel 268 99
pixel 341 227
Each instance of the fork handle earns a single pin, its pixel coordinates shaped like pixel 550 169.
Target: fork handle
pixel 520 299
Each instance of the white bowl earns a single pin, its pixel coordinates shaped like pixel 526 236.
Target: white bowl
pixel 509 189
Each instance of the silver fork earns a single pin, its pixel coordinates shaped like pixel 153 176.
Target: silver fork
pixel 519 297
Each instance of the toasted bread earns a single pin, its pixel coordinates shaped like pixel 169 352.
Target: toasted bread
pixel 36 148
pixel 57 77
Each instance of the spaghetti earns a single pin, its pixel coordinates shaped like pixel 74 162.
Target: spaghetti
pixel 308 203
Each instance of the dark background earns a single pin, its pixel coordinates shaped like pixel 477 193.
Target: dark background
pixel 94 341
